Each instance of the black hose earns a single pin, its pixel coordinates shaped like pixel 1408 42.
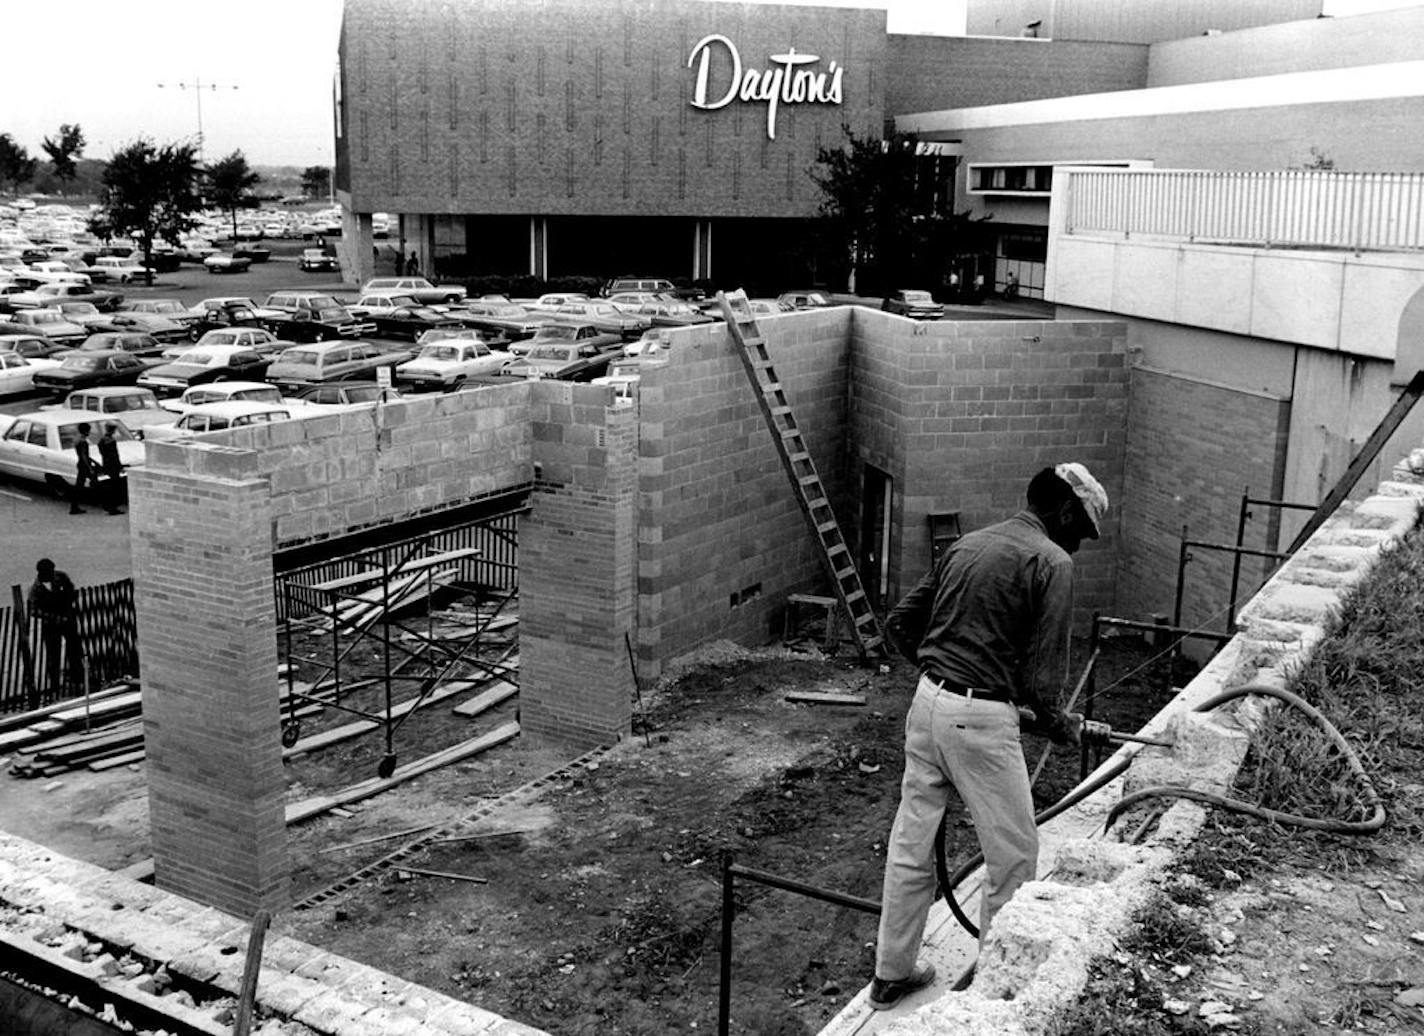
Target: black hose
pixel 949 882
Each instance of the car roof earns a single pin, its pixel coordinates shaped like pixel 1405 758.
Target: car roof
pixel 229 386
pixel 234 407
pixel 59 415
pixel 104 391
pixel 222 349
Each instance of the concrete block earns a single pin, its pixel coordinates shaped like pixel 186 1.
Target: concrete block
pixel 461 1019
pixel 1206 754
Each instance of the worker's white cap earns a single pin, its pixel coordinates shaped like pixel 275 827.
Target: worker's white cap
pixel 1089 491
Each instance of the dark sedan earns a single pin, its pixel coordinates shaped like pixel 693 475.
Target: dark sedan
pixel 136 342
pixel 508 317
pixel 80 370
pixel 203 364
pixel 409 321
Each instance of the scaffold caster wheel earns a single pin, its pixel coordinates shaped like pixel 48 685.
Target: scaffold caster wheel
pixel 386 766
pixel 291 732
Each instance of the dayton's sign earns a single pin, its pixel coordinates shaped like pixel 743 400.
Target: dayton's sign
pixel 787 82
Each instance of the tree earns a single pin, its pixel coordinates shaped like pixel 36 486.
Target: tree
pixel 229 181
pixel 316 181
pixel 886 207
pixel 65 150
pixel 16 165
pixel 150 192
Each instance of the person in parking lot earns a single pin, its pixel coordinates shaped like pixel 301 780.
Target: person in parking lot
pixel 112 467
pixel 988 628
pixel 83 467
pixel 51 602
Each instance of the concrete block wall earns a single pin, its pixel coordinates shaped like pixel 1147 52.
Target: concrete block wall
pixel 1193 447
pixel 577 552
pixel 202 562
pixel 962 414
pixel 722 539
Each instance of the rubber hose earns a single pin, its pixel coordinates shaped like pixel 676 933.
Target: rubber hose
pixel 1375 821
pixel 949 882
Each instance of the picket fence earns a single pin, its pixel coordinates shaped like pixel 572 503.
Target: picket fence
pixel 108 645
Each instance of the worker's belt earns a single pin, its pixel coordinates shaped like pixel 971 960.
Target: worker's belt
pixel 972 693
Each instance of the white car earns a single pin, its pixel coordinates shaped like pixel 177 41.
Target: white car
pixel 380 302
pixel 136 407
pixel 214 417
pixel 120 269
pixel 223 391
pixel 40 444
pixel 258 339
pixel 418 288
pixel 549 301
pixel 17 373
pixel 449 364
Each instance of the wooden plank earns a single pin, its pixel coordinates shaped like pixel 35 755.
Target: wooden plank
pixel 824 698
pixel 25 719
pixel 113 761
pixel 377 838
pixel 299 811
pixel 419 564
pixel 501 692
pixel 442 874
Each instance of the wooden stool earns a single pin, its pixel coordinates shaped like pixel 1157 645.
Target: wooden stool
pixel 793 616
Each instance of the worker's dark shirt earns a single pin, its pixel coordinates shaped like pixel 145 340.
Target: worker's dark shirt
pixel 995 613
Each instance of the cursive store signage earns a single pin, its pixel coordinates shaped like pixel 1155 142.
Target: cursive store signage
pixel 789 80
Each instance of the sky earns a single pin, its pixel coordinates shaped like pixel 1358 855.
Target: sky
pixel 265 69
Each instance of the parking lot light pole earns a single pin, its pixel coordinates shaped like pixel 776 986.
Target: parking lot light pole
pixel 198 86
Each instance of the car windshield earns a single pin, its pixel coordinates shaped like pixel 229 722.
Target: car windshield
pixel 364 394
pixel 333 313
pixel 917 296
pixel 557 333
pixel 310 356
pixel 202 358
pixel 76 362
pixel 424 313
pixel 41 317
pixel 816 298
pixel 507 309
pixel 550 352
pixel 440 352
pixel 87 309
pixel 120 404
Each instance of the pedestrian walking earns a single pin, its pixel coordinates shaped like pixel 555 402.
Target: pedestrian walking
pixel 989 630
pixel 112 467
pixel 51 600
pixel 412 266
pixel 84 473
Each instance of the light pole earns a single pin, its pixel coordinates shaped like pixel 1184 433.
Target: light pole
pixel 198 86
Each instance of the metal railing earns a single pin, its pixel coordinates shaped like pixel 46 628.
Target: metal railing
pixel 1283 208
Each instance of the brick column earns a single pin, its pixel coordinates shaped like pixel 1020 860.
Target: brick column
pixel 577 554
pixel 202 560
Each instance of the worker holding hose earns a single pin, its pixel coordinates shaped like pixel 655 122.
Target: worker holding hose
pixel 989 630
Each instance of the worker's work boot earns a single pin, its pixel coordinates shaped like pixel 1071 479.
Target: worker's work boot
pixel 887 992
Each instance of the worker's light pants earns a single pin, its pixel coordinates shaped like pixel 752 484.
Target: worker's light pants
pixel 974 744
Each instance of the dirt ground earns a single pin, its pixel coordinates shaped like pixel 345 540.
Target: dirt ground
pixel 599 911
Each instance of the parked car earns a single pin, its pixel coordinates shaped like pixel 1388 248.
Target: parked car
pixel 463 334
pixel 88 369
pixel 17 373
pixel 320 362
pixel 135 342
pixel 219 391
pixel 31 347
pixel 418 288
pixel 258 339
pixel 86 314
pixel 507 318
pixel 560 333
pixel 409 321
pixel 226 262
pixel 202 364
pixel 345 393
pixel 159 326
pixel 572 361
pixel 171 309
pixel 209 307
pixel 550 300
pixel 39 445
pixel 805 299
pixel 648 284
pixel 136 407
pixel 309 316
pixel 120 269
pixel 376 301
pixel 769 307
pixel 314 260
pixel 215 417
pixel 47 322
pixel 605 316
pixel 673 314
pixel 449 364
pixel 196 249
pixel 917 305
pixel 48 296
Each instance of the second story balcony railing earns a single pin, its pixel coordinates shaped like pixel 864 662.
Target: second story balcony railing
pixel 1289 208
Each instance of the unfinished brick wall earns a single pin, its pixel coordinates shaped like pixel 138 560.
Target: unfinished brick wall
pixel 202 562
pixel 577 551
pixel 962 414
pixel 1193 447
pixel 721 538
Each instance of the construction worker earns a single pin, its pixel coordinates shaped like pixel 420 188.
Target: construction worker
pixel 989 630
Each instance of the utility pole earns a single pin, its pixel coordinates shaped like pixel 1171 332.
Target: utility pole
pixel 198 86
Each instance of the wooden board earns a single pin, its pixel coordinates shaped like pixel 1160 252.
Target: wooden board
pixel 502 691
pixel 824 698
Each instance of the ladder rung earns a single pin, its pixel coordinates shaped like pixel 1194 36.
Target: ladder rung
pixel 779 410
pixel 826 527
pixel 815 503
pixel 807 480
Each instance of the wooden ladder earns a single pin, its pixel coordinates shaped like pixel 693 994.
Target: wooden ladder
pixel 810 493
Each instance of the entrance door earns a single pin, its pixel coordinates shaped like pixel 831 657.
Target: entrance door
pixel 875 507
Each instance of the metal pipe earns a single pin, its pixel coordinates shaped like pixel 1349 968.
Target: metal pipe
pixel 1242 517
pixel 724 988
